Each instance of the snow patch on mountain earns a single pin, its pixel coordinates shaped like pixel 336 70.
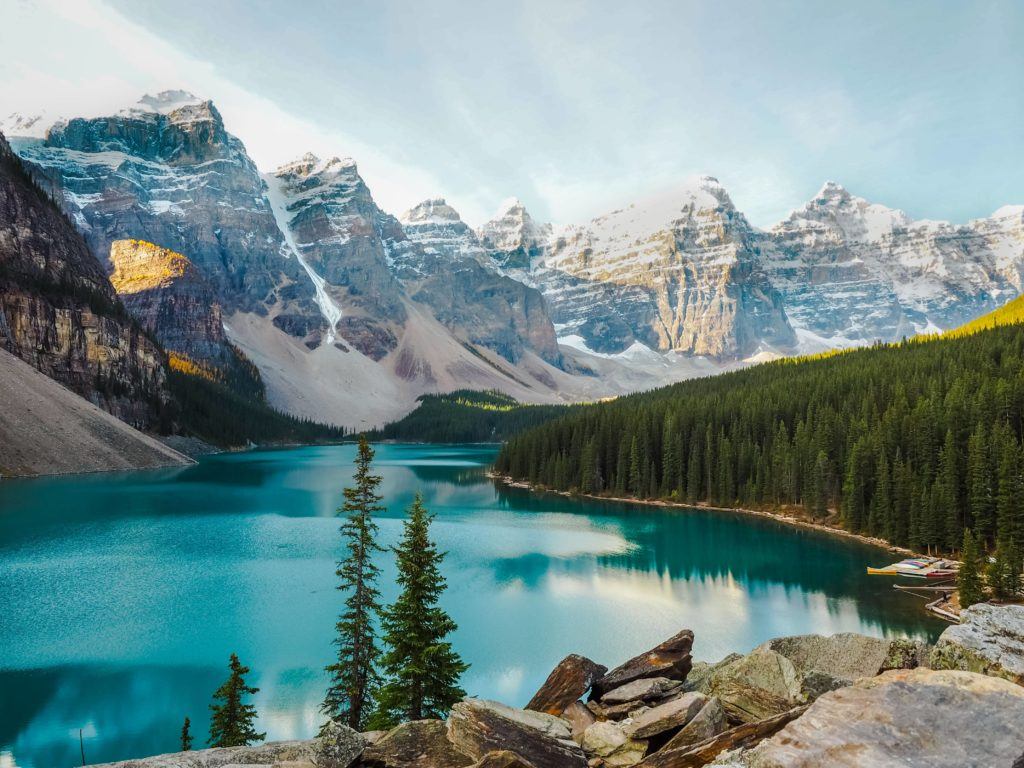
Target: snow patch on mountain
pixel 279 205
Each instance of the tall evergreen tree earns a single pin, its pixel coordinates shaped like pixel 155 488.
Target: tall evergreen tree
pixel 420 666
pixel 353 677
pixel 231 724
pixel 969 578
pixel 186 735
pixel 1005 571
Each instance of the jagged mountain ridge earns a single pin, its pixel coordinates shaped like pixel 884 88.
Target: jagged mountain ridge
pixel 686 271
pixel 306 250
pixel 426 303
pixel 167 171
pixel 677 272
pixel 852 272
pixel 457 277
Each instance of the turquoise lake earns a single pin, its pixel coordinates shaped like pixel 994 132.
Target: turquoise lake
pixel 122 595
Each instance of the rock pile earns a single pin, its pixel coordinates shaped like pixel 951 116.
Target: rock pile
pixel 807 701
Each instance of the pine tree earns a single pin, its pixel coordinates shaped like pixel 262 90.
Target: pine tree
pixel 231 724
pixel 969 578
pixel 421 668
pixel 186 735
pixel 353 676
pixel 819 485
pixel 1004 571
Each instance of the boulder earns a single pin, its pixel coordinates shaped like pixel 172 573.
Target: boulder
pixel 372 737
pixel 418 744
pixel 579 718
pixel 646 689
pixel 910 718
pixel 907 654
pixel 338 746
pixel 845 656
pixel 989 640
pixel 568 681
pixel 701 671
pixel 670 659
pixel 609 742
pixel 617 711
pixel 703 752
pixel 756 686
pixel 669 716
pixel 342 753
pixel 706 724
pixel 476 727
pixel 502 759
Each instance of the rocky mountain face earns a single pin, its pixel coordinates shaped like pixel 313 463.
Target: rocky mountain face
pixel 171 298
pixel 58 311
pixel 680 272
pixel 167 171
pixel 513 237
pixel 686 272
pixel 343 239
pixel 307 268
pixel 851 272
pixel 452 273
pixel 304 250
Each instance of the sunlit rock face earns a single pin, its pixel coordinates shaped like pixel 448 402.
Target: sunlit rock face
pixel 167 171
pixel 58 311
pixel 685 271
pixel 678 272
pixel 169 296
pixel 453 274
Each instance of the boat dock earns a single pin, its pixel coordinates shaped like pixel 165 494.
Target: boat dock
pixel 919 568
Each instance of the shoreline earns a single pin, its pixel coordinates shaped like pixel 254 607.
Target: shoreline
pixel 780 517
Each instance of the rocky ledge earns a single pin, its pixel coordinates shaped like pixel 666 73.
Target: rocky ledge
pixel 807 701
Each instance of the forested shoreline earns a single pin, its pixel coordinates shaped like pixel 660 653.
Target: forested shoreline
pixel 910 443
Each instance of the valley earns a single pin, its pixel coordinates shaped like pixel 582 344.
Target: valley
pixel 351 313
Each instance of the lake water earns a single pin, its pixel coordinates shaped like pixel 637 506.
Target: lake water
pixel 122 595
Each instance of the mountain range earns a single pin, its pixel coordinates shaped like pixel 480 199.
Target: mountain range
pixel 350 313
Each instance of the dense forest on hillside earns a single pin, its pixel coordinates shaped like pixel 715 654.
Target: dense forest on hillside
pixel 222 415
pixel 468 416
pixel 911 442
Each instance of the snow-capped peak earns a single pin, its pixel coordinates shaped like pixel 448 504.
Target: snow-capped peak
pixel 165 102
pixel 857 219
pixel 1009 212
pixel 508 205
pixel 311 165
pixel 435 210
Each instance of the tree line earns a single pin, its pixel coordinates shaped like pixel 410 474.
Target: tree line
pixel 912 442
pixel 468 416
pixel 394 663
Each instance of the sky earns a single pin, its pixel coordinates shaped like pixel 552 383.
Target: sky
pixel 574 107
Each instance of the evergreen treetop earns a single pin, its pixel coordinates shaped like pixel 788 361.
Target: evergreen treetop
pixel 420 666
pixel 353 677
pixel 231 722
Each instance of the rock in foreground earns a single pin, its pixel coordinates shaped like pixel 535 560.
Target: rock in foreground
pixel 568 681
pixel 340 748
pixel 410 745
pixel 478 727
pixel 907 718
pixel 671 659
pixel 989 640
